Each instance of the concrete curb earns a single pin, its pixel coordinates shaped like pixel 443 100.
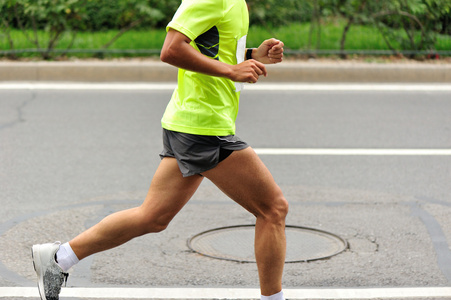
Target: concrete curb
pixel 145 71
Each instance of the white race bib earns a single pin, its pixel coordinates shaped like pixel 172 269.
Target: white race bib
pixel 240 50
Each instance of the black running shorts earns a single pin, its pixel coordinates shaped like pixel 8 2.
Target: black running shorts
pixel 198 153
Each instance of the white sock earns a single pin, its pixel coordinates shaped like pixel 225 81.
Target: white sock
pixel 66 257
pixel 278 296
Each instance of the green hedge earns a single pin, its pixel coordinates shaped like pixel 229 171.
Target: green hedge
pixel 414 24
pixel 96 15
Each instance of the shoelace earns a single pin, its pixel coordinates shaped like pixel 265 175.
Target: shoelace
pixel 66 275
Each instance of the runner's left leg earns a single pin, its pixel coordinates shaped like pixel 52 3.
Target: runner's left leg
pixel 246 180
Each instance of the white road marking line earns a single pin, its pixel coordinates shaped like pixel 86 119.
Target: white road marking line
pixel 353 152
pixel 251 87
pixel 229 293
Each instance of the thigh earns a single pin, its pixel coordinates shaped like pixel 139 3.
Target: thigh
pixel 245 179
pixel 169 191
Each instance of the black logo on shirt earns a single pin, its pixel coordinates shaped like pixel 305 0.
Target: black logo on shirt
pixel 208 43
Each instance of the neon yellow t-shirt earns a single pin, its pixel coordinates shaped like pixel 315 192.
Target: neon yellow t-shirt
pixel 203 104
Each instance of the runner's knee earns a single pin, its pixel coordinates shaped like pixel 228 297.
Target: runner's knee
pixel 151 223
pixel 277 211
pixel 280 208
pixel 155 225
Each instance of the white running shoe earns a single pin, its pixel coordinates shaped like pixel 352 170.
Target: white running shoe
pixel 50 275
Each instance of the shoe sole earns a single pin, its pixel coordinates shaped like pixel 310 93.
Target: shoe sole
pixel 36 265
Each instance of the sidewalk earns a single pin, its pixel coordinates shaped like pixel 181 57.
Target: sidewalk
pixel 154 71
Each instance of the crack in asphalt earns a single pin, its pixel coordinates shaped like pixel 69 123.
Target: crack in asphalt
pixel 19 112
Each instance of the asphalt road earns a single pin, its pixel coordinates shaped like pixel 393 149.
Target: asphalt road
pixel 70 157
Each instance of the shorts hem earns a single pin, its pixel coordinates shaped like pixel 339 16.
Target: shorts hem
pixel 180 151
pixel 191 173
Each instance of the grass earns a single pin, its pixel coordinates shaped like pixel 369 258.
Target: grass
pixel 295 37
pixel 136 40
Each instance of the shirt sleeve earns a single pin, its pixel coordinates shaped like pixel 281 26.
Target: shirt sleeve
pixel 195 17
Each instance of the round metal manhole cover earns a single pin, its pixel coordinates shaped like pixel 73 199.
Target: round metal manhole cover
pixel 236 243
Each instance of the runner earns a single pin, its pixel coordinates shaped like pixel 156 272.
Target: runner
pixel 206 40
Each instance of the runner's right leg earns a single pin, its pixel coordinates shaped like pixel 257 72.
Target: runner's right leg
pixel 168 193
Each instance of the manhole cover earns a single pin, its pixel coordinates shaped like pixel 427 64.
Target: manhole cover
pixel 236 243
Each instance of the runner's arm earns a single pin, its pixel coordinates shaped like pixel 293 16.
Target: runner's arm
pixel 178 52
